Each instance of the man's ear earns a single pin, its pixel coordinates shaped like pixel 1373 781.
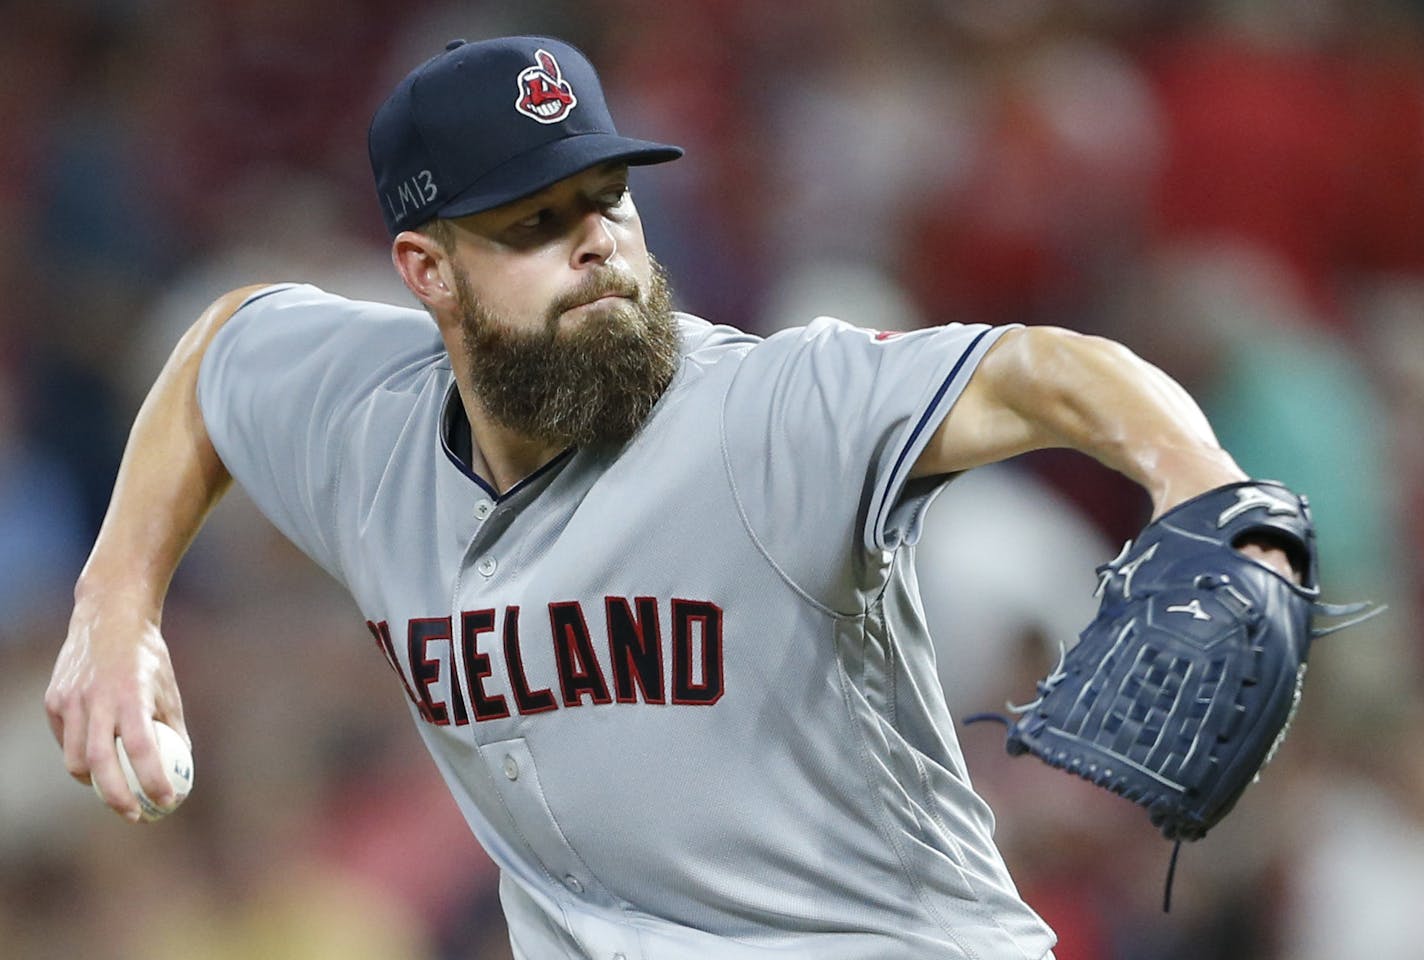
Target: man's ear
pixel 422 263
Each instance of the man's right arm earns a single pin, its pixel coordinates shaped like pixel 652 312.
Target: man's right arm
pixel 113 676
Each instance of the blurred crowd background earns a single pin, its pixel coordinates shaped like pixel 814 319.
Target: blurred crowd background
pixel 1234 188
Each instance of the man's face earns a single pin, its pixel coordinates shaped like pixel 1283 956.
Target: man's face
pixel 565 318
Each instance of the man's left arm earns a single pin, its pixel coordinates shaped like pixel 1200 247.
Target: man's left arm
pixel 1040 387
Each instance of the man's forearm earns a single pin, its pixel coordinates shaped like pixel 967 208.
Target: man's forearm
pixel 1046 387
pixel 1101 398
pixel 168 481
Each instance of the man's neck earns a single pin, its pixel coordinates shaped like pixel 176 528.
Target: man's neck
pixel 500 455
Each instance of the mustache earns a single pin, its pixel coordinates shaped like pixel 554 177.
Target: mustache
pixel 605 282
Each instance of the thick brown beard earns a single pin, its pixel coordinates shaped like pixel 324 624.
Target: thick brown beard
pixel 588 384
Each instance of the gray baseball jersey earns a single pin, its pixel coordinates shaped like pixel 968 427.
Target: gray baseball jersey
pixel 682 693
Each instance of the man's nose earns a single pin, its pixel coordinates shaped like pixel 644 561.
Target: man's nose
pixel 595 242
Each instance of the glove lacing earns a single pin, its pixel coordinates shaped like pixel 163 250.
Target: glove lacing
pixel 1044 687
pixel 1365 609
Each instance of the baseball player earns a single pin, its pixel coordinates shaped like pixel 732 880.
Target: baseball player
pixel 646 584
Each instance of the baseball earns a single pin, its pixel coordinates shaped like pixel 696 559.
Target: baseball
pixel 177 763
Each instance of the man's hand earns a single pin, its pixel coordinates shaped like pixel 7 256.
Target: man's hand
pixel 1272 556
pixel 113 677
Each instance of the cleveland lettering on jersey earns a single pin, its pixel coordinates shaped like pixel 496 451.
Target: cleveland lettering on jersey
pixel 626 663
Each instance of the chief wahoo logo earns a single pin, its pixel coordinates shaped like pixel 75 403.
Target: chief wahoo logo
pixel 544 94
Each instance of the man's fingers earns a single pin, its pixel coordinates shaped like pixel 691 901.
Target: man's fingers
pixel 74 739
pixel 102 760
pixel 168 707
pixel 66 723
pixel 141 745
pixel 56 727
pixel 1272 556
pixel 54 713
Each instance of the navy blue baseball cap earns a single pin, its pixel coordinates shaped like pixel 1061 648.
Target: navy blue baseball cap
pixel 489 122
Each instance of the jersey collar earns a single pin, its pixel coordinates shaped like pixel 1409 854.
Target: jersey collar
pixel 457 442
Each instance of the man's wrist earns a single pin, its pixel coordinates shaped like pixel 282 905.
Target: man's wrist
pixel 1175 476
pixel 100 586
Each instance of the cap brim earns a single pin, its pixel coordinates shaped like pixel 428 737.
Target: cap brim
pixel 548 164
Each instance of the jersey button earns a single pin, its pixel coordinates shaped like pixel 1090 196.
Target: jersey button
pixel 483 509
pixel 486 566
pixel 511 768
pixel 572 882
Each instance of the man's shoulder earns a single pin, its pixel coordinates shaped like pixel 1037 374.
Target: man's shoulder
pixel 293 331
pixel 703 340
pixel 309 303
pixel 707 345
pixel 293 311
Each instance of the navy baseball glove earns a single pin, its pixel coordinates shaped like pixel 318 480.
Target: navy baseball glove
pixel 1185 683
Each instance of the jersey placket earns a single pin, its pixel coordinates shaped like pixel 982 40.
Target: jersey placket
pixel 488 566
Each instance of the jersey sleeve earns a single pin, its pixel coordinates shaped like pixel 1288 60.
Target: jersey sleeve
pixel 822 425
pixel 282 386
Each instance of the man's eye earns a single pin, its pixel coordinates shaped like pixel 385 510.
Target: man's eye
pixel 614 197
pixel 535 220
